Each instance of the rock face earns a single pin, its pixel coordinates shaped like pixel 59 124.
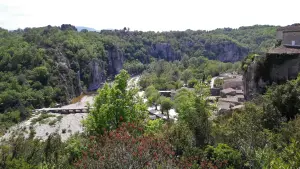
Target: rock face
pixel 67 79
pixel 99 70
pixel 226 52
pixel 115 60
pixel 93 72
pixel 97 74
pixel 164 51
pixel 269 69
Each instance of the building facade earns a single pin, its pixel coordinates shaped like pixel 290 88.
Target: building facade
pixel 289 35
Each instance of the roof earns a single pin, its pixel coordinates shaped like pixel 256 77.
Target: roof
pixel 232 100
pixel 240 96
pixel 165 91
pixel 236 82
pixel 237 107
pixel 290 28
pixel 224 105
pixel 284 50
pixel 227 90
pixel 239 92
pixel 293 28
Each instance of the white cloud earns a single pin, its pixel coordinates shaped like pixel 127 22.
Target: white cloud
pixel 145 15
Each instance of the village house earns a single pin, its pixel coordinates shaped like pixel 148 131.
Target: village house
pixel 284 58
pixel 289 36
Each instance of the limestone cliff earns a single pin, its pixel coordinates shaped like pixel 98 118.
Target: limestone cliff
pixel 67 79
pixel 226 52
pixel 251 79
pixel 101 70
pixel 164 51
pixel 73 76
pixel 115 60
pixel 267 70
pixel 97 74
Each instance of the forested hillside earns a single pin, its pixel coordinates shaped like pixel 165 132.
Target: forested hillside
pixel 40 67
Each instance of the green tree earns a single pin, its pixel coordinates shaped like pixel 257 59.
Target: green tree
pixel 154 126
pixel 180 136
pixel 223 152
pixel 282 101
pixel 165 105
pixel 219 83
pixel 186 75
pixel 192 83
pixel 19 163
pixel 185 61
pixel 246 131
pixel 146 80
pixel 175 75
pixel 41 74
pixel 288 156
pixel 113 105
pixel 153 96
pixel 194 111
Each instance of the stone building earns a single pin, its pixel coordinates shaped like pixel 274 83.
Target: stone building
pixel 285 57
pixel 289 36
pixel 278 65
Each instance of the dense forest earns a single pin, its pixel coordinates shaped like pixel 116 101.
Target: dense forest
pixel 42 67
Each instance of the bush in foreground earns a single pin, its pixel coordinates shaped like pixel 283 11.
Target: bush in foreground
pixel 127 147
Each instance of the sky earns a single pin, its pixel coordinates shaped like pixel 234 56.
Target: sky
pixel 145 15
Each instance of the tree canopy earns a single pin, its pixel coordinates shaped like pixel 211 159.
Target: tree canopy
pixel 114 105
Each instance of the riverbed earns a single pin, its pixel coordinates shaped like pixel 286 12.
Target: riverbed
pixel 65 124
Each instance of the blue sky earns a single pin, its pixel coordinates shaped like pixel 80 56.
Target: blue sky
pixel 156 15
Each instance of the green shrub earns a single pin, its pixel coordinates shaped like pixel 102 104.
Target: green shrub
pixel 192 83
pixel 42 118
pixel 223 152
pixel 54 121
pixel 219 83
pixel 154 126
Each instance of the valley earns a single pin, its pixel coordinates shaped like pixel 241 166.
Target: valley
pixel 67 120
pixel 224 98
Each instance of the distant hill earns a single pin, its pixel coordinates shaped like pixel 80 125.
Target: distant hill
pixel 79 28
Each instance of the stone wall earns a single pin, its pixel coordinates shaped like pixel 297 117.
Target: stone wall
pixel 269 69
pixel 288 37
